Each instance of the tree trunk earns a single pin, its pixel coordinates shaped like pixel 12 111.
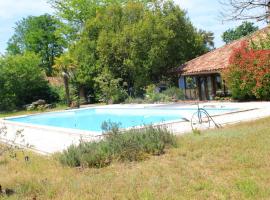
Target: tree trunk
pixel 66 85
pixel 82 94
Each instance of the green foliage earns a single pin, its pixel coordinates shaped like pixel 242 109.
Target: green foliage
pixel 153 95
pixel 174 93
pixel 171 94
pixel 262 43
pixel 196 132
pixel 191 84
pixel 12 146
pixel 113 46
pixel 22 81
pixel 111 92
pixel 76 12
pixel 240 89
pixel 40 35
pixel 131 100
pixel 244 29
pixel 151 90
pixel 136 43
pixel 132 145
pixel 248 187
pixel 158 97
pixel 208 38
pixel 60 91
pixel 64 67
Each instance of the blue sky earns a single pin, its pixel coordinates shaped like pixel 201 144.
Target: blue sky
pixel 203 14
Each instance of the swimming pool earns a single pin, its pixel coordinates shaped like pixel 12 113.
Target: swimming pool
pixel 91 119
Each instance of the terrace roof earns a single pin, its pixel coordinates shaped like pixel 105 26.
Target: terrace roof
pixel 217 60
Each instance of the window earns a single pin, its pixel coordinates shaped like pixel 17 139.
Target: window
pixel 190 82
pixel 191 87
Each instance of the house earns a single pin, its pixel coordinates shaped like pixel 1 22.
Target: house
pixel 201 77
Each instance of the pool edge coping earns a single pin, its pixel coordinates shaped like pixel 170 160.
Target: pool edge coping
pixel 97 134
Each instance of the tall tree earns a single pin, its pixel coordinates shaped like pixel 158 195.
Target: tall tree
pixel 244 29
pixel 77 12
pixel 64 67
pixel 138 43
pixel 40 35
pixel 22 81
pixel 258 10
pixel 208 38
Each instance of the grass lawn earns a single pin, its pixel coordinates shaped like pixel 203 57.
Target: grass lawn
pixel 231 163
pixel 25 112
pixel 58 107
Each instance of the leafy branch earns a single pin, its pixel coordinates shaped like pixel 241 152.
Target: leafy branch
pixel 12 145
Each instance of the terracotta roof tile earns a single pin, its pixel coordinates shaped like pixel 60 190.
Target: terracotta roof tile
pixel 218 59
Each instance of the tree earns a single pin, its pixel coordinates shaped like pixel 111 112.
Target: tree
pixel 244 29
pixel 40 35
pixel 77 12
pixel 137 43
pixel 208 38
pixel 64 66
pixel 111 91
pixel 22 81
pixel 246 9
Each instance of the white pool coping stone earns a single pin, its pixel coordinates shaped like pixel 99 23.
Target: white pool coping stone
pixel 48 140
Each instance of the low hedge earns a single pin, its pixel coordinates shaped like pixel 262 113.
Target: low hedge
pixel 132 145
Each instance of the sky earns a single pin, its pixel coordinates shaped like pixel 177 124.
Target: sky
pixel 204 14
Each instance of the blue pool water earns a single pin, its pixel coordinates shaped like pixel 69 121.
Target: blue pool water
pixel 91 119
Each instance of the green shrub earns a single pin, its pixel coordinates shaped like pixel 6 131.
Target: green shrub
pixel 248 75
pixel 196 132
pixel 71 156
pixel 171 94
pixel 131 145
pixel 174 93
pixel 158 97
pixel 119 96
pixel 22 81
pixel 150 90
pixel 60 91
pixel 110 90
pixel 135 100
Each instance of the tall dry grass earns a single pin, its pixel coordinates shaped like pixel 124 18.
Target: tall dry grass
pixel 229 163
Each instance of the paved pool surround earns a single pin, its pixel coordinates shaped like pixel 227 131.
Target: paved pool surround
pixel 48 140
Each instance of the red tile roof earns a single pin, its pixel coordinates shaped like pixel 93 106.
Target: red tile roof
pixel 217 60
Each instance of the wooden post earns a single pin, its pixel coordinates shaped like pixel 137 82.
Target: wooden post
pixel 213 77
pixel 198 87
pixel 185 87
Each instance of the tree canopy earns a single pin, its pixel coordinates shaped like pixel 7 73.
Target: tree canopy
pixel 41 35
pixel 244 29
pixel 138 43
pixel 208 38
pixel 22 81
pixel 119 47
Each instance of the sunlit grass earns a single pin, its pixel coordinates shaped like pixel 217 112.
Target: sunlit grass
pixel 25 112
pixel 58 107
pixel 230 163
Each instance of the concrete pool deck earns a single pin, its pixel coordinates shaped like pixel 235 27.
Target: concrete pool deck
pixel 47 140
